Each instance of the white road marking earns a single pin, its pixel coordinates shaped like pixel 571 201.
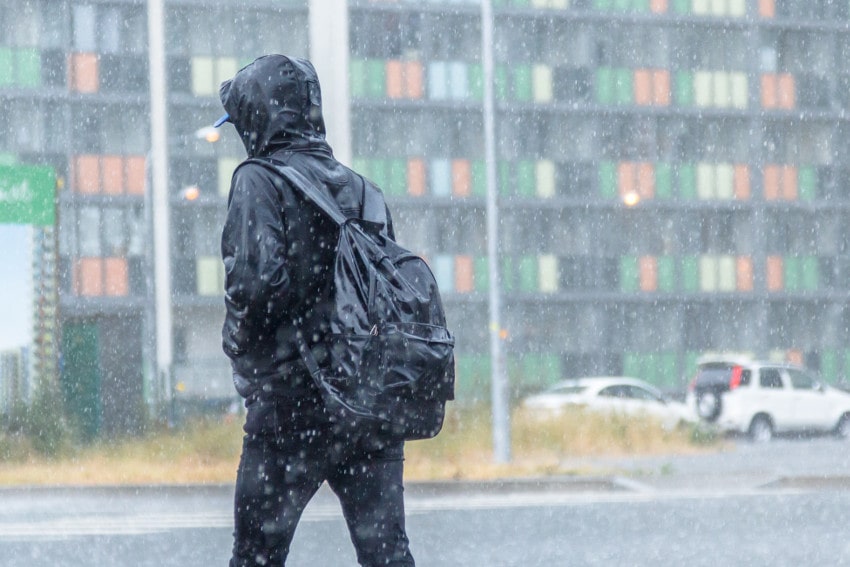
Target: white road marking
pixel 78 526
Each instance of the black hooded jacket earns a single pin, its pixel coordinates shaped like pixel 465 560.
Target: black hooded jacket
pixel 278 249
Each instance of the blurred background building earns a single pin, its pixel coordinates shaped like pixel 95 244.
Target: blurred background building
pixel 672 175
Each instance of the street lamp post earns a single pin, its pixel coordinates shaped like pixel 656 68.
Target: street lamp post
pixel 158 189
pixel 498 380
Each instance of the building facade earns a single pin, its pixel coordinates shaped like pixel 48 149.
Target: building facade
pixel 671 178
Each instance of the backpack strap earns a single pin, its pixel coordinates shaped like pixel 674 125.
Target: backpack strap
pixel 374 207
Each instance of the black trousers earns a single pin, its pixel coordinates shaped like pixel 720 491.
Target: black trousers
pixel 286 456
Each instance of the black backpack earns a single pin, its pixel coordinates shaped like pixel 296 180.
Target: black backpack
pixel 388 360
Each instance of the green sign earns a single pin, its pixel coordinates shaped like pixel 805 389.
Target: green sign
pixel 26 195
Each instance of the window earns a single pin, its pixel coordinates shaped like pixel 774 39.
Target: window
pixel 770 378
pixel 801 380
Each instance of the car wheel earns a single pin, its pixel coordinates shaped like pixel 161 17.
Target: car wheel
pixel 761 429
pixel 842 430
pixel 709 404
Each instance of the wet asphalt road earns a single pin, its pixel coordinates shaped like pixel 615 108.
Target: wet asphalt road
pixel 787 503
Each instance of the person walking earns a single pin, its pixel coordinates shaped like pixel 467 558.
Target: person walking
pixel 277 250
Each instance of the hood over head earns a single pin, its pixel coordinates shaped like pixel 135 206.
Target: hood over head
pixel 275 103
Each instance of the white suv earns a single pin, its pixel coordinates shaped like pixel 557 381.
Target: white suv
pixel 763 398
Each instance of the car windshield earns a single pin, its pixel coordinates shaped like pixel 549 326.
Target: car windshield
pixel 567 389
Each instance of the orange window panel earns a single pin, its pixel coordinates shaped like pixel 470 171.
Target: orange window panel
pixel 774 273
pixel 786 96
pixel 742 182
pixel 464 271
pixel 461 177
pixel 83 72
pixel 134 171
pixel 767 8
pixel 88 276
pixel 117 281
pixel 661 87
pixel 413 83
pixel 648 267
pixel 626 181
pixel 789 182
pixel 744 273
pixel 395 79
pixel 772 174
pixel 416 180
pixel 86 174
pixel 643 87
pixel 769 94
pixel 112 170
pixel 658 6
pixel 645 180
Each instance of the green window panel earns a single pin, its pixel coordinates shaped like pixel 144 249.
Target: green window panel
pixel 551 368
pixel 810 273
pixel 682 6
pixel 791 273
pixel 829 366
pixel 506 186
pixel 603 4
pixel 605 85
pixel 629 273
pixel 686 181
pixel 519 3
pixel 500 83
pixel 380 172
pixel 622 5
pixel 525 178
pixel 663 181
pixel 473 377
pixel 376 78
pixel 640 5
pixel 689 364
pixel 632 364
pixel 508 274
pixel 81 376
pixel 7 66
pixel 666 273
pixel 649 368
pixel 608 179
pixel 528 274
pixel 808 183
pixel 523 83
pixel 481 273
pixel 540 371
pixel 667 370
pixel 357 78
pixel 479 179
pixel 28 67
pixel 623 85
pixel 690 274
pixel 397 177
pixel 362 166
pixel 683 92
pixel 476 82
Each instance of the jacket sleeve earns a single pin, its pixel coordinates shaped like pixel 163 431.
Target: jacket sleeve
pixel 253 248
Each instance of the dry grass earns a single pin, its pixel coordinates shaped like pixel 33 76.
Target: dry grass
pixel 208 451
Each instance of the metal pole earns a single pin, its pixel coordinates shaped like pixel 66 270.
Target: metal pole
pixel 329 53
pixel 159 198
pixel 498 380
